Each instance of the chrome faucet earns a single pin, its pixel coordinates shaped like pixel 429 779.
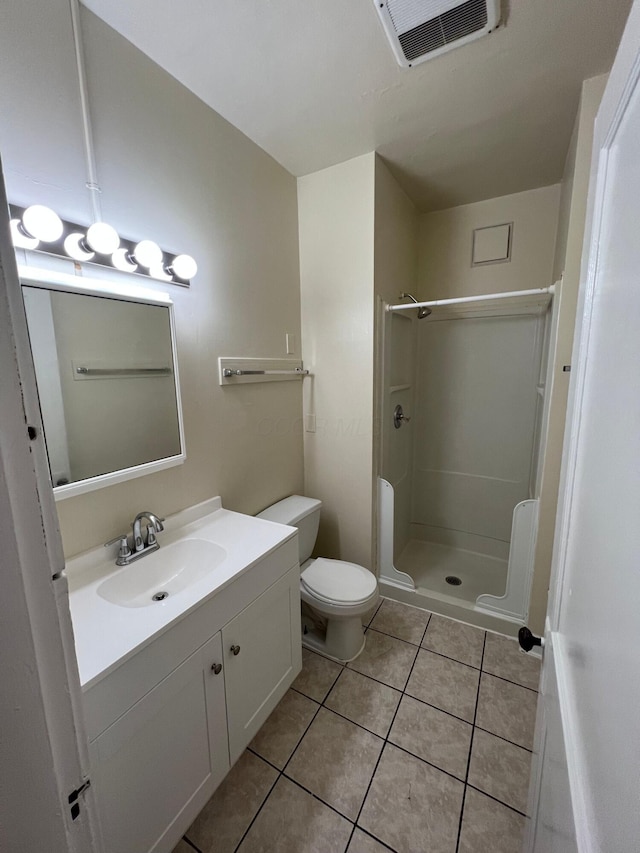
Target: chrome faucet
pixel 155 526
pixel 139 548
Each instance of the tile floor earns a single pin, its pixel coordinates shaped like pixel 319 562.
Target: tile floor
pixel 421 745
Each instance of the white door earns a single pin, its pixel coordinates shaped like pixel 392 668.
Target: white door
pixel 587 792
pixel 43 752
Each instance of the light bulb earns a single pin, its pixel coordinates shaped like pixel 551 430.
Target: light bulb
pixel 158 271
pixel 121 259
pixel 73 246
pixel 41 222
pixel 184 266
pixel 103 238
pixel 20 239
pixel 148 254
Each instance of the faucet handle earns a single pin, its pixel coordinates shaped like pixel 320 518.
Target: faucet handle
pixel 125 551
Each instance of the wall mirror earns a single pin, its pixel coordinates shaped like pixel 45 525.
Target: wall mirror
pixel 107 376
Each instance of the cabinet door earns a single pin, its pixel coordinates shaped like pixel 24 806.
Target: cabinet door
pixel 156 766
pixel 263 655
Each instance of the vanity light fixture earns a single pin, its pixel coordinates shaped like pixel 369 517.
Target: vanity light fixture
pixel 99 243
pixel 102 238
pixel 159 271
pixel 73 246
pixel 37 228
pixel 20 239
pixel 122 260
pixel 42 223
pixel 184 266
pixel 148 254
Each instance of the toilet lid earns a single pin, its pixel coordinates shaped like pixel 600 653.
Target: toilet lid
pixel 337 582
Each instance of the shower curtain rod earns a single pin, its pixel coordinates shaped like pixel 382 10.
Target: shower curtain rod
pixel 541 291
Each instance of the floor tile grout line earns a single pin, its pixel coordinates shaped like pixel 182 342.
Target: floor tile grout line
pixel 344 668
pixel 262 758
pixel 370 627
pixel 318 798
pixel 510 681
pixel 496 800
pixel 505 739
pixel 424 702
pixel 353 722
pixel 411 696
pixel 386 739
pixel 425 761
pixel 449 657
pixel 302 737
pixel 191 844
pixel 473 729
pixel 402 691
pixel 370 835
pixel 280 773
pixel 255 817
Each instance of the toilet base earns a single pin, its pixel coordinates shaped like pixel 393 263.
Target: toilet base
pixel 343 640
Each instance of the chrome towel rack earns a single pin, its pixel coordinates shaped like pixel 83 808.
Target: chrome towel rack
pixel 239 371
pixel 297 371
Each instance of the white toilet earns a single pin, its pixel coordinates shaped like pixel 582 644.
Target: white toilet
pixel 340 593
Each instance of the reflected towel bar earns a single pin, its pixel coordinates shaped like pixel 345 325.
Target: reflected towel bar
pixel 123 371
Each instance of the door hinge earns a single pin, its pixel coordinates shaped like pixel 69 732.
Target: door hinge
pixel 73 798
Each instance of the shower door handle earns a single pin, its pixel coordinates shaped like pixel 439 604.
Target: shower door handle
pixel 399 417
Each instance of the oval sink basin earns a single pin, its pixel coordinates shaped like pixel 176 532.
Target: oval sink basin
pixel 162 574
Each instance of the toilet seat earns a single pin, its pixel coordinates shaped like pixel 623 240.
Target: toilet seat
pixel 338 583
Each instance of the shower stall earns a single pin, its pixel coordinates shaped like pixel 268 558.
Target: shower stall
pixel 463 410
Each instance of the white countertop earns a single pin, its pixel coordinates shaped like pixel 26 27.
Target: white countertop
pixel 106 634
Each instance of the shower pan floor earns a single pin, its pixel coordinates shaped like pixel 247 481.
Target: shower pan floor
pixel 430 563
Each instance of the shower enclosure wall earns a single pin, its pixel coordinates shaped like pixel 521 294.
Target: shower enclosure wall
pixel 459 478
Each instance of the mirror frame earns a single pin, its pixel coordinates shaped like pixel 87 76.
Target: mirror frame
pixel 124 292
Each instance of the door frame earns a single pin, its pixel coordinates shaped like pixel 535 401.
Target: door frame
pixel 44 747
pixel 623 81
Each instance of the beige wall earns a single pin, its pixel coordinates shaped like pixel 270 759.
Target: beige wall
pixel 336 221
pixel 573 207
pixel 173 170
pixel 446 240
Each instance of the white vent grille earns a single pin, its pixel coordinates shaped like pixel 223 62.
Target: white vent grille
pixel 421 29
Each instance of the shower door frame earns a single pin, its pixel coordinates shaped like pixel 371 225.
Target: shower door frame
pixel 546 339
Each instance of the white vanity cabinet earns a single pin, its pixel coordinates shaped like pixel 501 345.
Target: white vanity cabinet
pixel 166 724
pixel 162 756
pixel 259 659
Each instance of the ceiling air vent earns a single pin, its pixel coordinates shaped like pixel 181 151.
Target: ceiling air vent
pixel 421 29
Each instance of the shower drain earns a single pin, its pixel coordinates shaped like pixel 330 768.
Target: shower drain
pixel 159 596
pixel 453 580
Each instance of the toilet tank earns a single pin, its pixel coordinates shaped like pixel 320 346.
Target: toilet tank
pixel 300 512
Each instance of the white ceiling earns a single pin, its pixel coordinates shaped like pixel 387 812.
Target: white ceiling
pixel 316 83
